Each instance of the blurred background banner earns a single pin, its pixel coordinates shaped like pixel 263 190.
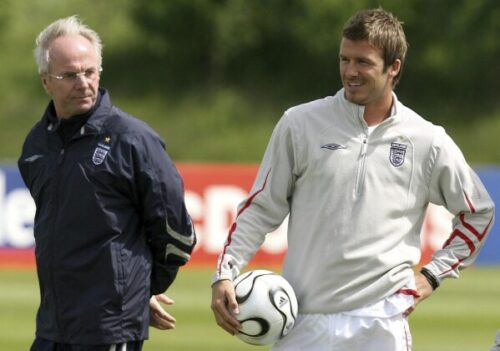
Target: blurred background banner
pixel 213 77
pixel 213 192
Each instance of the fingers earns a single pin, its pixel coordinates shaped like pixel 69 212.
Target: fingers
pixel 225 307
pixel 164 299
pixel 424 290
pixel 162 323
pixel 409 311
pixel 159 318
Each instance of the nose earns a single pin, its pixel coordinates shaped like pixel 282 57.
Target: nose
pixel 81 79
pixel 351 69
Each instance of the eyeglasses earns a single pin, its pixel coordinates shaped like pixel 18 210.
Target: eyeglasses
pixel 89 74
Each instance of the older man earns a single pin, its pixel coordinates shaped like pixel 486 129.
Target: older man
pixel 111 227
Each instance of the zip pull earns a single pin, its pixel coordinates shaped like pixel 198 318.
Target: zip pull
pixel 61 155
pixel 364 147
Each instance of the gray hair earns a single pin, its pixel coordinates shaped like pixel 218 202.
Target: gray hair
pixel 64 26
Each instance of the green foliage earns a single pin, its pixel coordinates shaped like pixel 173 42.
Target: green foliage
pixel 219 125
pixel 452 58
pixel 453 55
pixel 462 315
pixel 213 76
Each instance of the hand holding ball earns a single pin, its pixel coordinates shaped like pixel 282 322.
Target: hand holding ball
pixel 268 307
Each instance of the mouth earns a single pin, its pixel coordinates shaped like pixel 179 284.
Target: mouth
pixel 82 97
pixel 354 84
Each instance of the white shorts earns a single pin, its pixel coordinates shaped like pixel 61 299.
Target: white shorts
pixel 340 332
pixel 376 327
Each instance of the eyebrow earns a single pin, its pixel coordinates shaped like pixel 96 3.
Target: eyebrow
pixel 358 58
pixel 78 71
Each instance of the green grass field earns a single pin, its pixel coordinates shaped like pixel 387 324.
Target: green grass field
pixel 463 314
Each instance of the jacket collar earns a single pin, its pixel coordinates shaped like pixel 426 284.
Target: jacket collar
pixel 94 124
pixel 356 111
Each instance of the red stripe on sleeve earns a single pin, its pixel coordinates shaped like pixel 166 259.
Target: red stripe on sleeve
pixel 457 233
pixel 469 203
pixel 473 230
pixel 234 226
pixel 465 238
pixel 453 267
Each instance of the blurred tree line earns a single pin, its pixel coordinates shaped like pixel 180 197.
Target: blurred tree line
pixel 219 73
pixel 289 48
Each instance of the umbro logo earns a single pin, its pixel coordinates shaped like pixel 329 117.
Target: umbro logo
pixel 333 146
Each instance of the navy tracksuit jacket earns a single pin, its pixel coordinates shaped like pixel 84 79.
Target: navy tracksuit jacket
pixel 111 226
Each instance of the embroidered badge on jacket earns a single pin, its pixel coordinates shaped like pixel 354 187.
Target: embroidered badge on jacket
pixel 101 151
pixel 397 154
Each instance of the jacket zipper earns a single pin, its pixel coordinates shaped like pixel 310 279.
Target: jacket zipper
pixel 53 240
pixel 360 178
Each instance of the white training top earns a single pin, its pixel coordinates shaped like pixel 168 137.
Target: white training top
pixel 356 204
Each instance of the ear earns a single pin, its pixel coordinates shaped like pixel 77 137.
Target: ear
pixel 45 84
pixel 395 68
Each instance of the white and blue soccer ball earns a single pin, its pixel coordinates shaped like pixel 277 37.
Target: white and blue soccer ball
pixel 268 307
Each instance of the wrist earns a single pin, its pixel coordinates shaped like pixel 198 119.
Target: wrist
pixel 430 278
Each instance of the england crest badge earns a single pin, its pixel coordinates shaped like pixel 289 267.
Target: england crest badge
pixel 100 153
pixel 397 154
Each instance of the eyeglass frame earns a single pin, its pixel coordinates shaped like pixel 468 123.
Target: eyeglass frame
pixel 71 76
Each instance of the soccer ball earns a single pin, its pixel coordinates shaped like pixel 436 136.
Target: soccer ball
pixel 268 307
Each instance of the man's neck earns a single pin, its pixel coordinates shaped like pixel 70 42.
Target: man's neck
pixel 377 113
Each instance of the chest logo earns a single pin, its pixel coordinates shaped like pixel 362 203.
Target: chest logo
pixel 333 146
pixel 397 154
pixel 100 153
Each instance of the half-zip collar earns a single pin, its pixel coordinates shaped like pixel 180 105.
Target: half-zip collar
pixel 90 122
pixel 357 111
